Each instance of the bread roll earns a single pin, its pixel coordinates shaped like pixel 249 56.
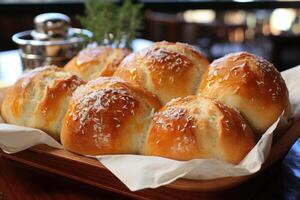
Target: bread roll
pixel 166 69
pixel 98 61
pixel 250 84
pixel 39 99
pixel 198 127
pixel 107 116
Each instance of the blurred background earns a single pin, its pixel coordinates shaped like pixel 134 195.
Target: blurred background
pixel 267 28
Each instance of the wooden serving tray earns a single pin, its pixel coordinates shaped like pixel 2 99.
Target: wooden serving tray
pixel 90 171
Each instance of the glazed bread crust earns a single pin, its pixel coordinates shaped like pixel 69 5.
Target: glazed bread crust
pixel 39 99
pixel 166 69
pixel 91 63
pixel 250 84
pixel 199 127
pixel 107 116
pixel 214 111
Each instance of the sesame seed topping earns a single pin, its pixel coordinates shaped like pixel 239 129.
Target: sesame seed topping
pixel 244 126
pixel 91 108
pixel 174 119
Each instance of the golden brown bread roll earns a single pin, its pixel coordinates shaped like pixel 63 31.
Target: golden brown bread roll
pixel 199 127
pixel 250 84
pixel 107 116
pixel 166 69
pixel 98 61
pixel 39 99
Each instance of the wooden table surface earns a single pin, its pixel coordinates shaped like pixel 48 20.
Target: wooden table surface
pixel 19 182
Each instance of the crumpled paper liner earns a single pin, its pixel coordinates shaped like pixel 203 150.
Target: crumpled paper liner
pixel 140 172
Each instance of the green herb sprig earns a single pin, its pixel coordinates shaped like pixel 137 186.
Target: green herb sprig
pixel 112 24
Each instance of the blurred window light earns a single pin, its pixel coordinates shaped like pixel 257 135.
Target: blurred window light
pixel 251 20
pixel 199 16
pixel 266 29
pixel 235 17
pixel 296 28
pixel 282 19
pixel 237 35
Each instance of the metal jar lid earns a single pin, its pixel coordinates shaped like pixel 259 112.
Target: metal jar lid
pixel 53 41
pixel 51 25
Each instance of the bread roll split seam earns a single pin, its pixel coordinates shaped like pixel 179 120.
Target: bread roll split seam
pixel 139 172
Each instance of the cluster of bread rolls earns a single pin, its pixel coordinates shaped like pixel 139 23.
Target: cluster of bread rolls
pixel 165 100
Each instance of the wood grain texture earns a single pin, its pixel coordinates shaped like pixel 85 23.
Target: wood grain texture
pixel 90 171
pixel 21 182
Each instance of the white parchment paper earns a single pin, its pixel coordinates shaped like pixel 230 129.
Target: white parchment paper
pixel 139 172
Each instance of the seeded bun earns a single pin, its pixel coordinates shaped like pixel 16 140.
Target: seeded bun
pixel 250 84
pixel 39 99
pixel 198 127
pixel 93 62
pixel 107 116
pixel 166 69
